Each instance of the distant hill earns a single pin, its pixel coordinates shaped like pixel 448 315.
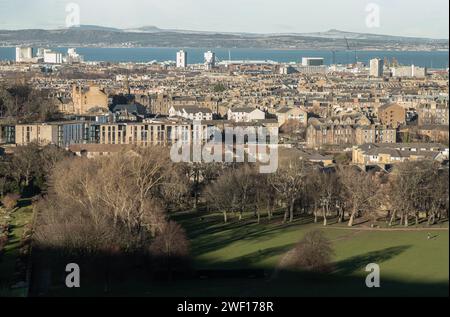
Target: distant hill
pixel 94 28
pixel 337 34
pixel 152 36
pixel 145 29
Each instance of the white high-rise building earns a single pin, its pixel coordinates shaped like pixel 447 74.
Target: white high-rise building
pixel 210 60
pixel 51 57
pixel 181 59
pixel 376 67
pixel 24 54
pixel 312 61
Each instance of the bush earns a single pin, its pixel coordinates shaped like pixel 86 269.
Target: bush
pixel 3 241
pixel 10 201
pixel 170 242
pixel 313 253
pixel 170 249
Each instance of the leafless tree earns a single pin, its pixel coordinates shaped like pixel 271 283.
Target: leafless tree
pixel 201 175
pixel 234 191
pixel 289 183
pixel 359 191
pixel 314 253
pixel 325 192
pixel 170 248
pixel 20 102
pixel 418 187
pixel 118 198
pixel 25 163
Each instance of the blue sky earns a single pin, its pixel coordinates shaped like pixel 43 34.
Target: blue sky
pixel 397 17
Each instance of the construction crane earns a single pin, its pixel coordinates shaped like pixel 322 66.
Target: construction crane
pixel 349 49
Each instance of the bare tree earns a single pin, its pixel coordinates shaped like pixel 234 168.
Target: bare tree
pixel 417 187
pixel 289 183
pixel 314 253
pixel 221 196
pixel 234 191
pixel 359 190
pixel 171 246
pixel 116 195
pixel 20 102
pixel 25 164
pixel 324 191
pixel 200 175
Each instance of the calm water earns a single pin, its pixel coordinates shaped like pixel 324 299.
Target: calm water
pixel 424 59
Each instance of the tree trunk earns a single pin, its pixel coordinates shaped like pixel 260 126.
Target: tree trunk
pixel 417 219
pixel 351 220
pixel 258 215
pixel 286 212
pixel 315 213
pixel 225 217
pixel 393 216
pixel 341 215
pixel 352 217
pixel 195 200
pixel 291 210
pixel 431 219
pixel 269 213
pixel 406 221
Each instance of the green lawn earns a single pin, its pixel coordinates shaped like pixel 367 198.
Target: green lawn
pixel 411 264
pixel 20 217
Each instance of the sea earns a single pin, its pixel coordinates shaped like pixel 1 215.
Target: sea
pixel 430 59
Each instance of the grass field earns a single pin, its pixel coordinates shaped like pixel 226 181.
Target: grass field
pixel 411 264
pixel 20 217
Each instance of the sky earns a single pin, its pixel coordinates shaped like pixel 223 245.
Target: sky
pixel 418 18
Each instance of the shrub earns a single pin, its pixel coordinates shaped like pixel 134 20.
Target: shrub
pixel 313 253
pixel 3 241
pixel 10 201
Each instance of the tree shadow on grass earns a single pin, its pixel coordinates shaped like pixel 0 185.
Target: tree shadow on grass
pixel 208 242
pixel 358 262
pixel 251 260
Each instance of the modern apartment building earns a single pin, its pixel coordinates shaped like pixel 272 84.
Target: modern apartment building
pixel 376 67
pixel 59 133
pixel 210 60
pixel 24 54
pixel 181 59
